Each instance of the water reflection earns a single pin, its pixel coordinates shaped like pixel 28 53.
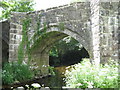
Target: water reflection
pixel 56 81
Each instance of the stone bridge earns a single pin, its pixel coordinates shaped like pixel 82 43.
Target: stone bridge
pixel 94 24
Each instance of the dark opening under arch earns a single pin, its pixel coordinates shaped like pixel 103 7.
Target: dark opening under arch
pixel 67 53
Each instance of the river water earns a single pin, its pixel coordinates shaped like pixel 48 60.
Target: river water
pixel 57 80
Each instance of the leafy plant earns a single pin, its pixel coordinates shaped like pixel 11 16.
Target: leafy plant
pixel 61 26
pixel 86 75
pixel 13 72
pixel 51 70
pixel 15 5
pixel 24 43
pixel 7 75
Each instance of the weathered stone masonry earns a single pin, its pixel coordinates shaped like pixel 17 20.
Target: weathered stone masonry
pixel 105 29
pixel 94 24
pixel 109 30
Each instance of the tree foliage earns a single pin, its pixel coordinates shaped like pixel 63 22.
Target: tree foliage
pixel 9 6
pixel 67 44
pixel 62 49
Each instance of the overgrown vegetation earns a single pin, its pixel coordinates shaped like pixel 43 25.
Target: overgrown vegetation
pixel 9 6
pixel 13 72
pixel 25 44
pixel 86 75
pixel 61 26
pixel 51 70
pixel 17 71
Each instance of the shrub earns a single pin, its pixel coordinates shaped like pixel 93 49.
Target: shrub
pixel 86 75
pixel 14 72
pixel 51 70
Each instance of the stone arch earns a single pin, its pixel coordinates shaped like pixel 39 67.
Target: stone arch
pixel 40 51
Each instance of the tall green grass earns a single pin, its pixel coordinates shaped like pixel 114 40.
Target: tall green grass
pixel 86 75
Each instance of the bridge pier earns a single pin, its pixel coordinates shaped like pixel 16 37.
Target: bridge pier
pixel 41 62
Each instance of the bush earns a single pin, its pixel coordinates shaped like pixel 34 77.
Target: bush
pixel 51 70
pixel 14 72
pixel 86 75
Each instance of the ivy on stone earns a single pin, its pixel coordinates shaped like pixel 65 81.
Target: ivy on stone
pixel 61 26
pixel 24 47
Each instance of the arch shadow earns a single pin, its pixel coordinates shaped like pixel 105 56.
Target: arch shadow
pixel 41 47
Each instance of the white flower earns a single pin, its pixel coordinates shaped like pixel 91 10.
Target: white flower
pixel 90 84
pixel 79 84
pixel 111 77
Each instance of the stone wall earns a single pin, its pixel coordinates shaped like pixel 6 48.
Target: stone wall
pixel 15 34
pixel 75 18
pixel 109 30
pixel 105 29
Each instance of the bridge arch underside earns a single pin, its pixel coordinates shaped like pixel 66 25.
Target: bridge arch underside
pixel 40 49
